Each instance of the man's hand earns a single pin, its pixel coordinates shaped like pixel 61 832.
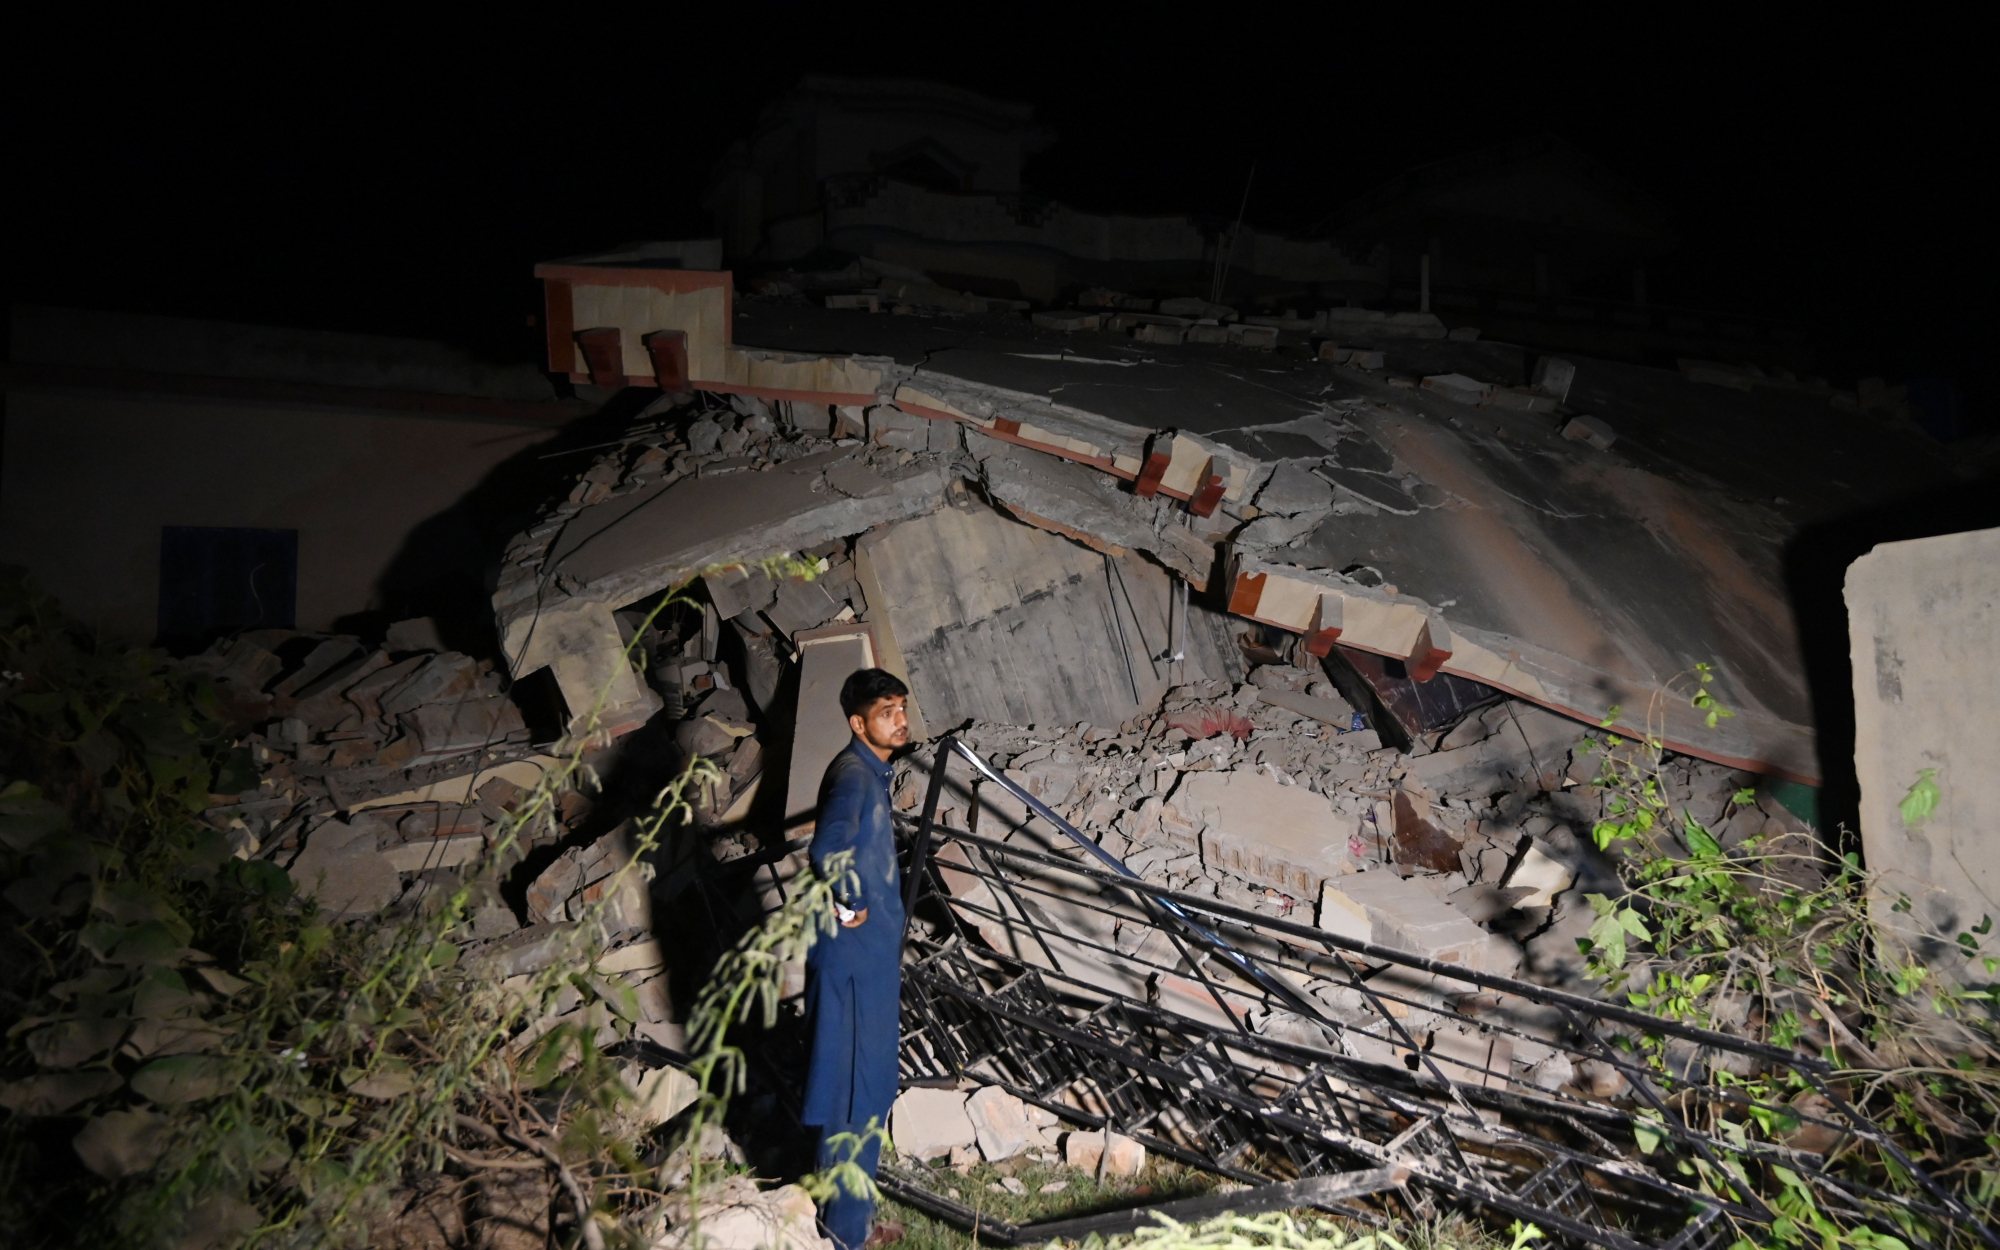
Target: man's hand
pixel 855 920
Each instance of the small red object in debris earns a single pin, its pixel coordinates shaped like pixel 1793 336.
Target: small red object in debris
pixel 1207 722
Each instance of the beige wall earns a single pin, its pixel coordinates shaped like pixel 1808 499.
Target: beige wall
pixel 90 479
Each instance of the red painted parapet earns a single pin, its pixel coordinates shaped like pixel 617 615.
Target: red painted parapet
pixel 1245 595
pixel 668 350
pixel 1432 649
pixel 603 349
pixel 1325 630
pixel 1204 500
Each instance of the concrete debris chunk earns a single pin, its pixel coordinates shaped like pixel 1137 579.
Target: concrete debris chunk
pixel 1458 387
pixel 1282 836
pixel 341 869
pixel 464 724
pixel 1510 746
pixel 1553 376
pixel 1386 909
pixel 1114 1153
pixel 927 1123
pixel 1541 876
pixel 735 1215
pixel 1067 321
pixel 1000 1122
pixel 1591 430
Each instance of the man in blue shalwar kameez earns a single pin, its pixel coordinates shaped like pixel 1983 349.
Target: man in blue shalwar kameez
pixel 854 976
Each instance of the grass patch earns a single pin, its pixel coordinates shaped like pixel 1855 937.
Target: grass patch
pixel 1049 1191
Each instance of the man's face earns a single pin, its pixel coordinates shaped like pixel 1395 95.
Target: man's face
pixel 885 726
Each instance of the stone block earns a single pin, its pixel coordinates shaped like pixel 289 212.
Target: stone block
pixel 1068 321
pixel 1591 430
pixel 1553 376
pixel 1402 915
pixel 1259 337
pixel 944 437
pixel 465 723
pixel 1541 875
pixel 1923 616
pixel 1105 1153
pixel 1000 1123
pixel 889 426
pixel 341 870
pixel 1165 335
pixel 927 1123
pixel 662 1093
pixel 1212 335
pixel 447 852
pixel 1517 400
pixel 1468 1057
pixel 1371 360
pixel 1285 837
pixel 1458 387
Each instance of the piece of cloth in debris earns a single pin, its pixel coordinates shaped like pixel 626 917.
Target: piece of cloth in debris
pixel 854 980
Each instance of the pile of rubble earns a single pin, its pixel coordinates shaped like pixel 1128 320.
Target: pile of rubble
pixel 378 765
pixel 970 1122
pixel 1264 797
pixel 386 773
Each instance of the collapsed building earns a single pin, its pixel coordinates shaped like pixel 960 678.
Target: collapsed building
pixel 1253 654
pixel 1256 651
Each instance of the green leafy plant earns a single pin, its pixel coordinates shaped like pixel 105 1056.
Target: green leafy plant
pixel 200 1058
pixel 1774 940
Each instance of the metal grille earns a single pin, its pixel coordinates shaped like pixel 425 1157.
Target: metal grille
pixel 1270 1051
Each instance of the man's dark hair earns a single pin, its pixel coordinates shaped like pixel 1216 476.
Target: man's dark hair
pixel 863 686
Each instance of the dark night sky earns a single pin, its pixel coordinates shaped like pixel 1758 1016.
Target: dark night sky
pixel 405 183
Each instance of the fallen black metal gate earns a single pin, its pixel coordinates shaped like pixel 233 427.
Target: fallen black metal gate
pixel 1269 1051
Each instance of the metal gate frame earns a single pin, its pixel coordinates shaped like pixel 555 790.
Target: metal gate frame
pixel 1202 1040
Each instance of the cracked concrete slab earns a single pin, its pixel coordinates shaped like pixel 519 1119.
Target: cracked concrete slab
pixel 1586 577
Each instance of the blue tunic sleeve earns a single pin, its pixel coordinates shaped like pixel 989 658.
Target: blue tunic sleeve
pixel 838 829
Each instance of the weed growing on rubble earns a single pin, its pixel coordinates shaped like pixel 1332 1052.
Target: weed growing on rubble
pixel 1780 946
pixel 227 1067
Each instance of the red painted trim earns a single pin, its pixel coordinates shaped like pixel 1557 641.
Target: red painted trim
pixel 1246 594
pixel 277 391
pixel 1321 642
pixel 559 317
pixel 603 350
pixel 1431 653
pixel 1762 767
pixel 1204 500
pixel 669 354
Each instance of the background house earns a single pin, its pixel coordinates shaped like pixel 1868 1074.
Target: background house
pixel 170 478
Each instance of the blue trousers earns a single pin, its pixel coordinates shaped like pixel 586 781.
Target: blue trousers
pixel 846 1216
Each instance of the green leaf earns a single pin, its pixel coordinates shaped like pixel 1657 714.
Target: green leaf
pixel 72 1042
pixel 52 1093
pixel 1921 800
pixel 181 1079
pixel 119 1144
pixel 1649 1134
pixel 25 816
pixel 1700 842
pixel 1607 939
pixel 392 1078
